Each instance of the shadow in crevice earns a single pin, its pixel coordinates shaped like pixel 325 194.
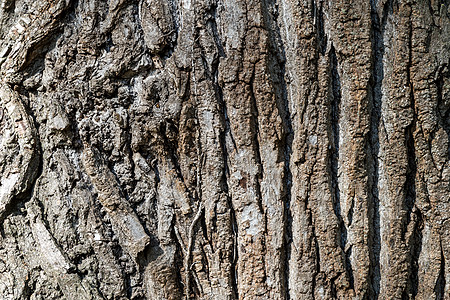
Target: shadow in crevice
pixel 442 105
pixel 318 20
pixel 439 288
pixel 335 111
pixel 415 250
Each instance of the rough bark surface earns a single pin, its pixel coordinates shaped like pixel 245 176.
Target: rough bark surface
pixel 224 149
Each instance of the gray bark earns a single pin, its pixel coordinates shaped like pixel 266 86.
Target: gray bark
pixel 212 149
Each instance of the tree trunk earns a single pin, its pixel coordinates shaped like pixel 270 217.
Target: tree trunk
pixel 224 149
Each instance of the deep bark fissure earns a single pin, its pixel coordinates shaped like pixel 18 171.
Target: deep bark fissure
pixel 213 25
pixel 416 250
pixel 335 142
pixel 322 38
pixel 411 170
pixel 235 257
pixel 288 212
pixel 27 289
pixel 378 29
pixel 439 287
pixel 413 213
pixel 317 258
pixel 256 141
pixel 443 109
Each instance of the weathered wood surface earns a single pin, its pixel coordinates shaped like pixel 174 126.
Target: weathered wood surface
pixel 224 149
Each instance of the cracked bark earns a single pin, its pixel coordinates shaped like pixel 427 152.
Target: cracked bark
pixel 179 149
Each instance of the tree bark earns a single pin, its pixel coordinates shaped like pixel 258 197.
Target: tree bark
pixel 212 149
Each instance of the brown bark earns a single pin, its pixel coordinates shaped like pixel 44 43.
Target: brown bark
pixel 224 149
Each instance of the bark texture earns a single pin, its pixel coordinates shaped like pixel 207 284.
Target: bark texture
pixel 224 149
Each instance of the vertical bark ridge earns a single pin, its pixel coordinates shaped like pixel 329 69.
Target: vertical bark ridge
pixel 428 133
pixel 236 73
pixel 218 247
pixel 302 256
pixel 354 133
pixel 280 241
pixel 393 169
pixel 310 115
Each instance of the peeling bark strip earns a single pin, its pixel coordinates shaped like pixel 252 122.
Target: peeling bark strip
pixel 181 149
